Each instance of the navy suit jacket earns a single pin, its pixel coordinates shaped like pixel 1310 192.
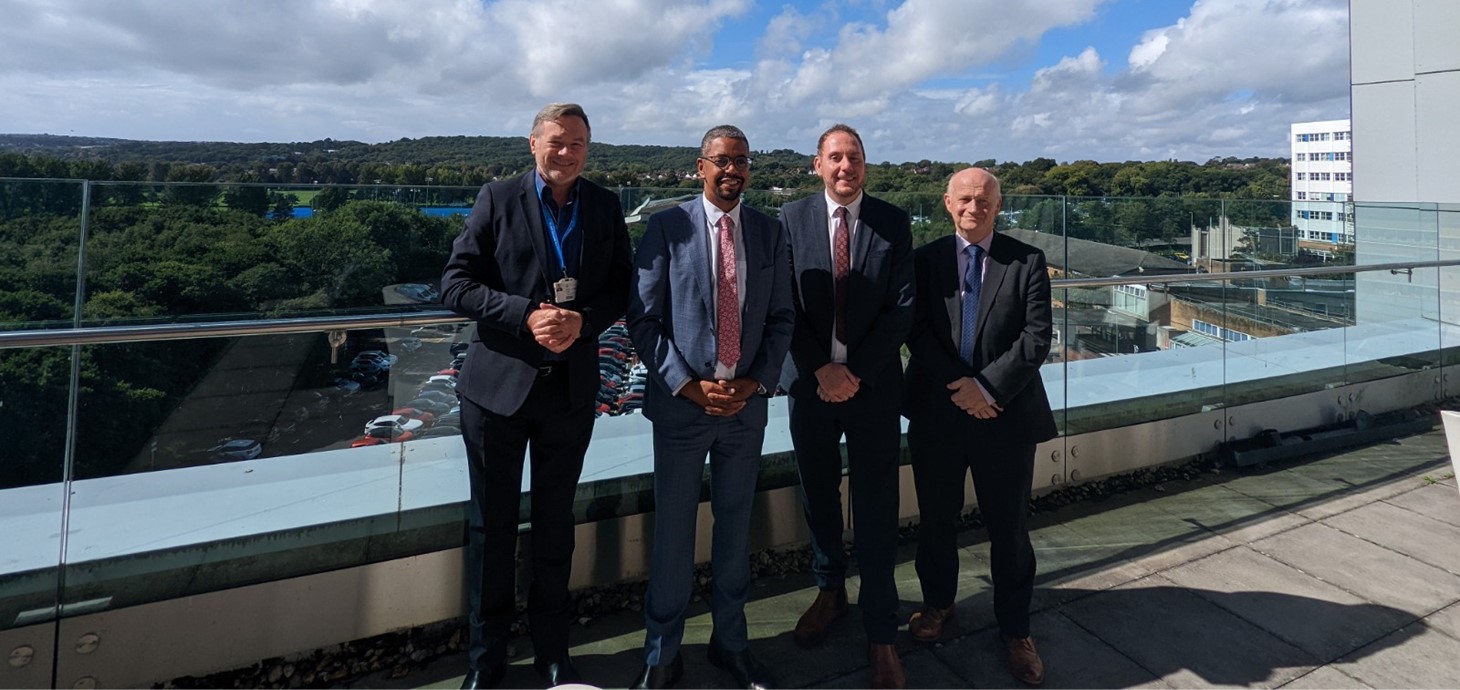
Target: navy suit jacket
pixel 879 296
pixel 1013 338
pixel 500 269
pixel 672 309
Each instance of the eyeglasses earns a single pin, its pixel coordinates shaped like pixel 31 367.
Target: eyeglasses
pixel 724 162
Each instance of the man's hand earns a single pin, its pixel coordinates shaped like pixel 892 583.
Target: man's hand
pixel 970 398
pixel 555 328
pixel 719 398
pixel 837 383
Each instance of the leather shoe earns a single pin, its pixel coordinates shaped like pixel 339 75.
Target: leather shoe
pixel 561 672
pixel 933 625
pixel 747 672
pixel 490 678
pixel 885 667
pixel 830 605
pixel 1023 659
pixel 659 676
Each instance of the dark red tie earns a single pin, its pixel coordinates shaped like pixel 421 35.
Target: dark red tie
pixel 727 307
pixel 841 268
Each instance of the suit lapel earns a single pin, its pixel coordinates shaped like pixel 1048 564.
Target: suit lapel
pixel 532 206
pixel 945 279
pixel 818 245
pixel 862 238
pixel 994 270
pixel 699 244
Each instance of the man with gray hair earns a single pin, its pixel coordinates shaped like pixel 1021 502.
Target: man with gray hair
pixel 710 314
pixel 542 265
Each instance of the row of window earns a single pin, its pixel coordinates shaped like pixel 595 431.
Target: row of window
pixel 1325 215
pixel 1322 196
pixel 1216 331
pixel 1324 136
pixel 1325 177
pixel 1324 156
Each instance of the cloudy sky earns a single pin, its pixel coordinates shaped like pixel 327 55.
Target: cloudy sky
pixel 953 80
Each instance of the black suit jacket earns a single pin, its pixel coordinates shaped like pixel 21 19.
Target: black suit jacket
pixel 500 269
pixel 879 296
pixel 1013 338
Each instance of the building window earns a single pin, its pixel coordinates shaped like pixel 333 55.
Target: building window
pixel 1302 196
pixel 1342 136
pixel 1302 176
pixel 1301 157
pixel 1216 331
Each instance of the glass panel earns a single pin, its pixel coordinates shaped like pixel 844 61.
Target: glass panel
pixel 1448 225
pixel 1396 330
pixel 40 241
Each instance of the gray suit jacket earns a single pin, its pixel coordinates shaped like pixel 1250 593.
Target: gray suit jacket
pixel 672 309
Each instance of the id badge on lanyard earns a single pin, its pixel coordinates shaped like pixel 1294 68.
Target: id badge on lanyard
pixel 565 289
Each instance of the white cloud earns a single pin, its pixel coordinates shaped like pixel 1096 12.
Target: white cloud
pixel 941 79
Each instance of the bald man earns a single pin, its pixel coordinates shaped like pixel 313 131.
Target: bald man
pixel 975 403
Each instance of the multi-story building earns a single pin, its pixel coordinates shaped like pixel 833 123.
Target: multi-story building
pixel 1322 156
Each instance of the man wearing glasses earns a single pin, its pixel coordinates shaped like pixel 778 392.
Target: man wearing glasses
pixel 710 314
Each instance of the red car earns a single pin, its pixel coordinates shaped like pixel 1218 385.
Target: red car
pixel 426 417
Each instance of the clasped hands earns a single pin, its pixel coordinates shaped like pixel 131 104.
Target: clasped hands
pixel 969 398
pixel 836 383
pixel 554 327
pixel 722 398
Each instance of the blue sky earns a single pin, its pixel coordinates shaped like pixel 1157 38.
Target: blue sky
pixel 953 80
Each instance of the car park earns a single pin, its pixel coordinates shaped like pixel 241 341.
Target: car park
pixel 446 397
pixel 381 435
pixel 440 430
pixel 431 406
pixel 413 412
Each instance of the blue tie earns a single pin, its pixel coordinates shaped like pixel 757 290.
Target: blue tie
pixel 972 286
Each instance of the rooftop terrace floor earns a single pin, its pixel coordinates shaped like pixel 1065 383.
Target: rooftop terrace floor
pixel 1336 572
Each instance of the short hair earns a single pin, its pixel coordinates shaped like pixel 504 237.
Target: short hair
pixel 554 111
pixel 721 132
pixel 844 129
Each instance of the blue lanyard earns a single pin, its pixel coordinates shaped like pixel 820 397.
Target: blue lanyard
pixel 552 222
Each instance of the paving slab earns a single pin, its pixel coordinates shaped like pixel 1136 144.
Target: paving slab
pixel 1287 489
pixel 1447 620
pixel 1379 575
pixel 1073 658
pixel 1326 678
pixel 922 668
pixel 1299 608
pixel 1412 534
pixel 1230 513
pixel 1437 501
pixel 1414 657
pixel 1186 640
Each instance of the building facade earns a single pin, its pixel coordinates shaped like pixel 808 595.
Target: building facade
pixel 1322 184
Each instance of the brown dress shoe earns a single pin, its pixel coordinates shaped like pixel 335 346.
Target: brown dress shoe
pixel 933 625
pixel 1023 659
pixel 886 667
pixel 830 605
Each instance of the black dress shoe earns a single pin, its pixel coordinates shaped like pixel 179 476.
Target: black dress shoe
pixel 557 673
pixel 747 672
pixel 659 676
pixel 478 680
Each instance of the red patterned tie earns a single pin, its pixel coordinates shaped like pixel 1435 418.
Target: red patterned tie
pixel 841 268
pixel 727 308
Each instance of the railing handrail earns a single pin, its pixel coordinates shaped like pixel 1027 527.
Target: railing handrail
pixel 111 335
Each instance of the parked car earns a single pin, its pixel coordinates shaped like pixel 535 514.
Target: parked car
pixel 346 387
pixel 442 396
pixel 441 430
pixel 443 378
pixel 418 292
pixel 429 405
pixel 230 449
pixel 457 349
pixel 414 412
pixel 401 422
pixel 382 435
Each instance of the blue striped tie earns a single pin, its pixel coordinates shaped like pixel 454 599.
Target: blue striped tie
pixel 972 286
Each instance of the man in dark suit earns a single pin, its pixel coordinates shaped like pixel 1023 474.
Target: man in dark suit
pixel 975 402
pixel 851 257
pixel 710 314
pixel 543 267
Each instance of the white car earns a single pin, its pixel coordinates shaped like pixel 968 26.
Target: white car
pixel 400 422
pixel 443 378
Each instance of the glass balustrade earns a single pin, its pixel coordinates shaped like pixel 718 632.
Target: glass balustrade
pixel 203 463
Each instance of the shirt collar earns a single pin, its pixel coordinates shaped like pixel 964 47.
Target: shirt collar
pixel 713 212
pixel 542 184
pixel 854 209
pixel 984 245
